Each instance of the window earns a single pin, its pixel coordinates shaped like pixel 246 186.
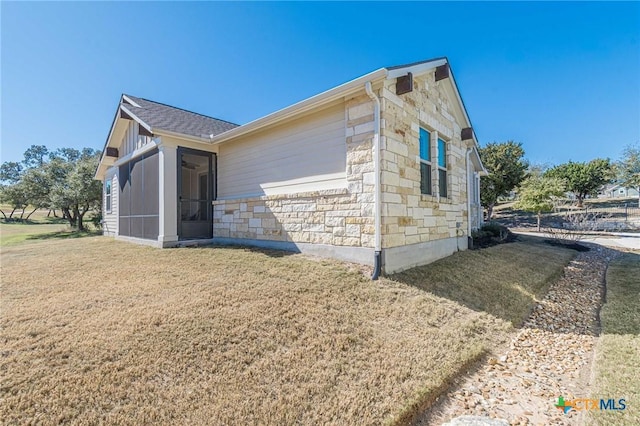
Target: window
pixel 425 162
pixel 442 167
pixel 107 192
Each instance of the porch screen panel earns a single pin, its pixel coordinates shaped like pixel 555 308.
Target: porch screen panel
pixel 124 197
pixel 150 209
pixel 139 197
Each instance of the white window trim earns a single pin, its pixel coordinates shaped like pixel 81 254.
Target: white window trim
pixel 108 195
pixel 423 161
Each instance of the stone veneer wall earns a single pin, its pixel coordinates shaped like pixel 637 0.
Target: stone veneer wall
pixel 341 217
pixel 408 217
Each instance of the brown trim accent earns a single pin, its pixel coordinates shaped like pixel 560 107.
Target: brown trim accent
pixel 112 152
pixel 466 133
pixel 125 115
pixel 404 84
pixel 143 131
pixel 442 72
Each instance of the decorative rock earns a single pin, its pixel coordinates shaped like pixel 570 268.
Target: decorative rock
pixel 476 421
pixel 546 358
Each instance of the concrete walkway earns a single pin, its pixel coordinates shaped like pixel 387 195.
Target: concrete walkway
pixel 625 240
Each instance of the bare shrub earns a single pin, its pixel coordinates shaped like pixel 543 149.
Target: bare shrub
pixel 572 223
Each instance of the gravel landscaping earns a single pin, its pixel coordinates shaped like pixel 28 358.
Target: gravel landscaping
pixel 549 357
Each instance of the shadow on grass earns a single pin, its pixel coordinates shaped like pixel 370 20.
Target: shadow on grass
pixel 505 281
pixel 64 235
pixel 252 249
pixel 39 221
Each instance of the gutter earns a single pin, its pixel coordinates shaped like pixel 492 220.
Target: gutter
pixel 191 138
pixel 469 192
pixel 377 195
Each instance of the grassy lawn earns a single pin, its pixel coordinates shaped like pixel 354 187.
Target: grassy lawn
pixel 39 227
pixel 96 330
pixel 617 366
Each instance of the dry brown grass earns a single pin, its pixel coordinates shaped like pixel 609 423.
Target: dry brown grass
pixel 95 330
pixel 505 281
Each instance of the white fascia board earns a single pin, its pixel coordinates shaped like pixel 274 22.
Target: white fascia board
pixel 302 106
pixel 477 162
pixel 99 175
pixel 191 138
pixel 128 99
pixel 464 110
pixel 136 118
pixel 416 69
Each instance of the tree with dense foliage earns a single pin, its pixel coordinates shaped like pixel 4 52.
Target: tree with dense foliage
pixel 11 192
pixel 73 188
pixel 507 168
pixel 628 168
pixel 35 156
pixel 536 194
pixel 583 179
pixel 60 179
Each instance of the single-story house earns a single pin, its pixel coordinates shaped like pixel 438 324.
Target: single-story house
pixel 382 170
pixel 618 191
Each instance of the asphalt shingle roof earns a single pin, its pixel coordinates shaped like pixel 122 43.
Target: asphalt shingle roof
pixel 164 117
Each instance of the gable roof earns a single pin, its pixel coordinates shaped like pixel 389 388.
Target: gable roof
pixel 161 118
pixel 156 116
pixel 346 89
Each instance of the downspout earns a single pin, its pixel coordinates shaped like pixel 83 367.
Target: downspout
pixel 377 261
pixel 469 193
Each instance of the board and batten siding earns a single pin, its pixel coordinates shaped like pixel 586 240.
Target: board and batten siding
pixel 307 154
pixel 110 220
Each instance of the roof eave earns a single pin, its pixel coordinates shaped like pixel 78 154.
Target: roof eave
pixel 303 106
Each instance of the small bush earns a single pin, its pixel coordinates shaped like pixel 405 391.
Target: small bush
pixel 490 234
pixel 494 229
pixel 96 220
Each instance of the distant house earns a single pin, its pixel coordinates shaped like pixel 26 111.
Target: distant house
pixel 383 170
pixel 619 191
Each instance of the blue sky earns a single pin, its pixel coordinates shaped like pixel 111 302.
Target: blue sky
pixel 562 78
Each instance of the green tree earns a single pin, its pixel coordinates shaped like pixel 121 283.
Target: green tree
pixel 36 186
pixel 583 179
pixel 629 168
pixel 13 195
pixel 73 188
pixel 10 172
pixel 35 156
pixel 536 194
pixel 507 168
pixel 10 190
